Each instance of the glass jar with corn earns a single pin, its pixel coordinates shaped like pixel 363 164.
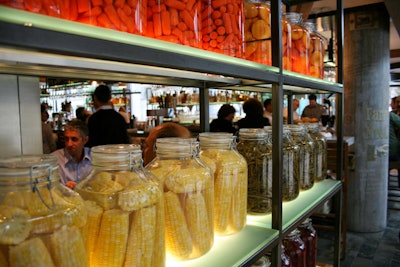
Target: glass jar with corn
pixel 42 222
pixel 218 150
pixel 188 192
pixel 125 209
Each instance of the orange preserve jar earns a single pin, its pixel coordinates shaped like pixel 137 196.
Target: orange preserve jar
pixel 300 43
pixel 175 21
pixel 222 27
pixel 218 150
pixel 188 197
pixel 42 222
pixel 125 209
pixel 317 51
pixel 121 15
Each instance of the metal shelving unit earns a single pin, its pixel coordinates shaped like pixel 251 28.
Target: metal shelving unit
pixel 36 45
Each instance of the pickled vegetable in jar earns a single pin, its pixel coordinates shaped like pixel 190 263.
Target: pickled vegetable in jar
pixel 300 43
pixel 306 162
pixel 188 197
pixel 175 21
pixel 222 27
pixel 317 51
pixel 218 150
pixel 125 209
pixel 43 223
pixel 255 146
pixel 295 248
pixel 320 150
pixel 309 237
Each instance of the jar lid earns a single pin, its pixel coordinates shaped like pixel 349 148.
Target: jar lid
pixel 252 133
pixel 176 144
pixel 210 139
pixel 293 17
pixel 119 154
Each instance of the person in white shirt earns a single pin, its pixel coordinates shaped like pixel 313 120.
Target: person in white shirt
pixel 268 110
pixel 296 116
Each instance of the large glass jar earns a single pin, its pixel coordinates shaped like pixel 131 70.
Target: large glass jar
pixel 317 51
pixel 300 43
pixel 175 21
pixel 309 237
pixel 218 150
pixel 125 214
pixel 255 146
pixel 222 26
pixel 188 197
pixel 41 220
pixel 320 150
pixel 306 164
pixel 295 248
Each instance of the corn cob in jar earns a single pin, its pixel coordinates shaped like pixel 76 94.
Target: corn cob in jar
pixel 125 210
pixel 188 197
pixel 41 219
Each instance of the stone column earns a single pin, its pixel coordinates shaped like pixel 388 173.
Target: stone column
pixel 366 114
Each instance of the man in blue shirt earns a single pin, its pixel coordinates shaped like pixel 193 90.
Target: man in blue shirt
pixel 74 160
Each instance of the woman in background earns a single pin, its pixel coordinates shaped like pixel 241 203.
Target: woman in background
pixel 224 121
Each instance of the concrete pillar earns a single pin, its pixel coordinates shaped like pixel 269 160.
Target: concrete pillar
pixel 366 114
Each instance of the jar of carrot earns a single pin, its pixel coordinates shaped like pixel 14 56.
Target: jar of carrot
pixel 222 28
pixel 317 51
pixel 174 21
pixel 300 43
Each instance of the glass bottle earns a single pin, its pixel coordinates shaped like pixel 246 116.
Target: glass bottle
pixel 41 219
pixel 125 209
pixel 309 237
pixel 188 197
pixel 295 248
pixel 300 43
pixel 285 260
pixel 317 51
pixel 175 21
pixel 218 150
pixel 306 164
pixel 222 27
pixel 255 146
pixel 320 150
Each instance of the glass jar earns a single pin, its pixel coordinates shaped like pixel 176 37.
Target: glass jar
pixel 295 248
pixel 320 150
pixel 218 150
pixel 175 21
pixel 306 164
pixel 285 260
pixel 255 146
pixel 222 27
pixel 124 204
pixel 309 237
pixel 286 44
pixel 262 262
pixel 300 43
pixel 41 219
pixel 317 51
pixel 188 197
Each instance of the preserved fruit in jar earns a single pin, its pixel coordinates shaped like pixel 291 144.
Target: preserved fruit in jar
pixel 175 21
pixel 255 146
pixel 222 28
pixel 125 209
pixel 218 150
pixel 316 52
pixel 295 248
pixel 309 237
pixel 42 221
pixel 300 43
pixel 188 197
pixel 306 162
pixel 320 150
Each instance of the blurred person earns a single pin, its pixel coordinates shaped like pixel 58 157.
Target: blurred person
pixel 313 110
pixel 224 120
pixel 296 116
pixel 48 140
pixel 74 159
pixel 122 111
pixel 82 114
pixel 268 109
pixel 167 129
pixel 254 115
pixel 395 105
pixel 106 126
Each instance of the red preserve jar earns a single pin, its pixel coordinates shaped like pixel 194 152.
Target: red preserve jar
pixel 295 248
pixel 309 237
pixel 285 260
